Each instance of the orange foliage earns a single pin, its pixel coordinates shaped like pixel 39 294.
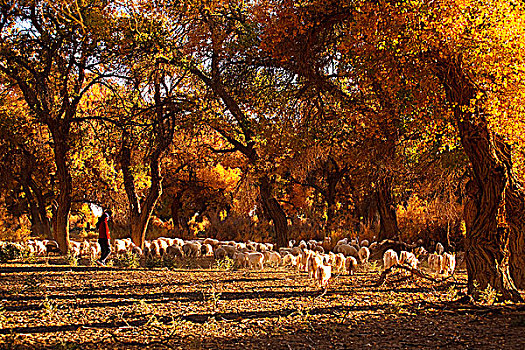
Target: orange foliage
pixel 429 220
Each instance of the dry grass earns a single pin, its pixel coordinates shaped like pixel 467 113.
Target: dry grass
pixel 62 307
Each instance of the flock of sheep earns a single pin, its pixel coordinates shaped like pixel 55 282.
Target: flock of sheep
pixel 318 258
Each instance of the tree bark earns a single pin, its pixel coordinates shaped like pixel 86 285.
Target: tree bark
pixel 334 174
pixel 485 243
pixel 515 210
pixel 140 213
pixel 388 228
pixel 515 207
pixel 42 212
pixel 34 216
pixel 179 220
pixel 40 225
pixel 274 211
pixel 60 133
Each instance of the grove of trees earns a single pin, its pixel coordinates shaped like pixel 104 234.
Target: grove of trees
pixel 271 119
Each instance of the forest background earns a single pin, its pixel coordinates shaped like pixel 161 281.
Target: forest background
pixel 268 120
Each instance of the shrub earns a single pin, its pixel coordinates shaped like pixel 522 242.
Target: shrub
pixel 71 259
pixel 224 264
pixel 152 262
pixel 11 251
pixel 127 260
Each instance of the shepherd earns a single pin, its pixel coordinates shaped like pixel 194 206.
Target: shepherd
pixel 104 237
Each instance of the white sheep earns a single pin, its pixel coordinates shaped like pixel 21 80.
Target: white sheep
pixel 220 253
pixel 272 257
pixel 313 264
pixel 174 251
pixel 30 246
pixel 241 259
pixel 303 245
pixel 297 251
pixel 84 250
pixel 163 246
pixel 408 258
pixel 324 272
pixel 74 250
pixel 389 259
pixel 364 254
pixel 40 248
pixel 289 260
pixel 240 245
pixel 206 249
pixel 178 241
pixel 303 260
pixel 230 250
pixel 338 262
pixel 365 243
pixel 439 248
pixel 347 250
pixel 51 246
pixel 94 251
pixel 154 249
pixel 192 249
pixel 255 259
pixel 120 247
pixel 435 263
pixel 449 263
pixel 342 241
pixel 350 264
pixel 213 242
pixel 75 247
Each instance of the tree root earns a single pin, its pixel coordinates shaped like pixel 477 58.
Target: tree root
pixel 413 271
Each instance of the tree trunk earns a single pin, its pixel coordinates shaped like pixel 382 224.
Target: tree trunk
pixel 485 242
pixel 40 225
pixel 274 211
pixel 367 212
pixel 45 228
pixel 334 174
pixel 179 220
pixel 60 133
pixel 515 207
pixel 388 228
pixel 140 212
pixel 34 216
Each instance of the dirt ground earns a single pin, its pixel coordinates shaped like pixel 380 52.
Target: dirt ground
pixel 45 306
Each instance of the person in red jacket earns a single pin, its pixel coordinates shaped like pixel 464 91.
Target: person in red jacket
pixel 104 237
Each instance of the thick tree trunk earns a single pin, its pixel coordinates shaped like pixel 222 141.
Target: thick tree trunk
pixel 60 133
pixel 485 241
pixel 515 207
pixel 46 225
pixel 180 222
pixel 274 211
pixel 333 177
pixel 388 228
